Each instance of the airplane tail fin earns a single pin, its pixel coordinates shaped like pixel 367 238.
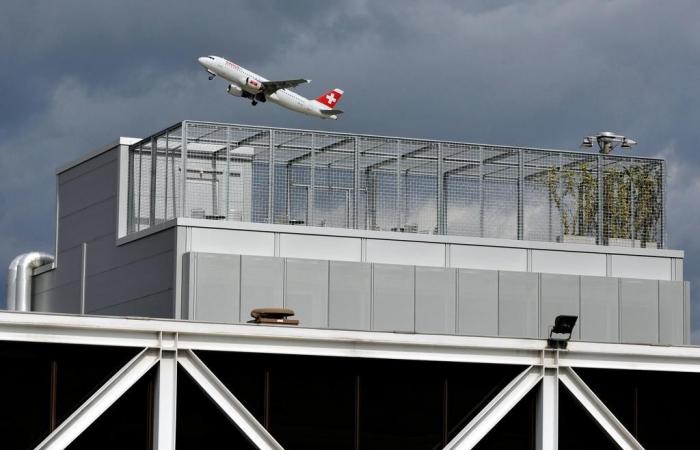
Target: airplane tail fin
pixel 330 98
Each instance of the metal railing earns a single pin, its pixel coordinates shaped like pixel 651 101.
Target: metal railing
pixel 301 177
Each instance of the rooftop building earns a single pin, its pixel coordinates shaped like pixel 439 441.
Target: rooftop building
pixel 425 275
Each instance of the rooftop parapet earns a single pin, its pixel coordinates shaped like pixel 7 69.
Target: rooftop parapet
pixel 313 178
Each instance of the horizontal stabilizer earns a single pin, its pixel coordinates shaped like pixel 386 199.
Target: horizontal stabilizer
pixel 331 112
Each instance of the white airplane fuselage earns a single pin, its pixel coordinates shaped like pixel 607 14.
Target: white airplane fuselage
pixel 242 86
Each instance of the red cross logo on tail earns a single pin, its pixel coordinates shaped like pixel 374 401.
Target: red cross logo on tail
pixel 330 98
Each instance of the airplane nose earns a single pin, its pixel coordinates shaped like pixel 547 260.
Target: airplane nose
pixel 202 60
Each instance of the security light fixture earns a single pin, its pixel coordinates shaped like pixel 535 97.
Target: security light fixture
pixel 563 325
pixel 273 316
pixel 607 141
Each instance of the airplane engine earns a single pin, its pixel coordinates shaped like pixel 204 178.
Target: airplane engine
pixel 253 84
pixel 234 90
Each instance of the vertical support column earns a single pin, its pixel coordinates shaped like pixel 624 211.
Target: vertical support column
pixel 152 193
pixel 481 191
pixel 440 192
pixel 227 175
pixel 398 193
pixel 312 185
pixel 165 184
pixel 165 413
pixel 355 183
pixel 83 274
pixel 662 225
pixel 548 411
pixel 521 196
pixel 601 205
pixel 183 193
pixel 271 180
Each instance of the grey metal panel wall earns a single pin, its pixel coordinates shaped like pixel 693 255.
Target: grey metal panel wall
pixel 600 316
pixel 435 300
pixel 518 300
pixel 307 291
pixel 135 275
pixel 477 303
pixel 559 294
pixel 350 295
pixel 393 298
pixel 216 293
pixel 639 311
pixel 60 299
pixel 262 280
pixel 671 310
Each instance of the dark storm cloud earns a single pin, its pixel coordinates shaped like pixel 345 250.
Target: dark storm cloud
pixel 75 75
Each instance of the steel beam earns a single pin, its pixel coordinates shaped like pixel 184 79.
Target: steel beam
pixel 100 401
pixel 598 410
pixel 496 409
pixel 165 417
pixel 227 402
pixel 547 435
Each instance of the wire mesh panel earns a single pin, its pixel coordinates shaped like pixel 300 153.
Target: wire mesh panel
pixel 298 177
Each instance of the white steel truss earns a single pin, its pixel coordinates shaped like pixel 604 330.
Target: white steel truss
pixel 169 343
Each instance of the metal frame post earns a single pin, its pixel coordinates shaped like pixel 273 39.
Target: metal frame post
pixel 152 193
pixel 165 412
pixel 271 179
pixel 398 193
pixel 165 184
pixel 547 436
pixel 481 191
pixel 601 205
pixel 183 212
pixel 663 184
pixel 310 196
pixel 521 196
pixel 355 184
pixel 227 180
pixel 440 192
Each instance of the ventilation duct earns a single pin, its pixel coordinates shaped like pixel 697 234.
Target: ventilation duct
pixel 19 279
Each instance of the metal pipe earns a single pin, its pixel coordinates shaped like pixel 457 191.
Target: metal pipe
pixel 19 279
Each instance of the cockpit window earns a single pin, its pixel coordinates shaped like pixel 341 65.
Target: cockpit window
pixel 210 57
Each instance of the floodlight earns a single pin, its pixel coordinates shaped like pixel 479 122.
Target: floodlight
pixel 562 325
pixel 607 141
pixel 628 143
pixel 587 142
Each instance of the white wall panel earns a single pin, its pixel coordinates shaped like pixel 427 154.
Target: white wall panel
pixel 239 242
pixel 406 253
pixel 647 267
pixel 489 258
pixel 569 263
pixel 320 247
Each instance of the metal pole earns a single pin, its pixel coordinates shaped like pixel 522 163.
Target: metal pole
pixel 227 180
pixel 662 225
pixel 355 184
pixel 183 212
pixel 152 194
pixel 310 195
pixel 521 197
pixel 165 193
pixel 481 192
pixel 398 186
pixel 440 192
pixel 601 204
pixel 271 180
pixel 547 435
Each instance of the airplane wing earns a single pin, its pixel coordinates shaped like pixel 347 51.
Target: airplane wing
pixel 270 87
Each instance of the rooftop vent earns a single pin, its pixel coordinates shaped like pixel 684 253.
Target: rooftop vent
pixel 273 316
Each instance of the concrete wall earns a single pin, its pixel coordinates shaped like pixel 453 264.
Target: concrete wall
pixel 405 298
pixel 135 278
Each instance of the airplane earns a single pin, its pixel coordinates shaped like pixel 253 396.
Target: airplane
pixel 247 84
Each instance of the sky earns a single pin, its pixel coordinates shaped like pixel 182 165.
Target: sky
pixel 76 75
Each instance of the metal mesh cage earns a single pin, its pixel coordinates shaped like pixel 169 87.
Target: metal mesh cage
pixel 299 177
